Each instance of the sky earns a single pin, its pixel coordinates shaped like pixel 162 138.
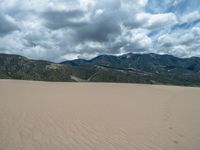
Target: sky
pixel 58 30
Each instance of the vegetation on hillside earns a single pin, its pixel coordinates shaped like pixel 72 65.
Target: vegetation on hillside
pixel 129 68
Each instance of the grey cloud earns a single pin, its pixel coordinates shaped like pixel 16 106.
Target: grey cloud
pixel 97 28
pixel 61 19
pixel 6 26
pixel 100 29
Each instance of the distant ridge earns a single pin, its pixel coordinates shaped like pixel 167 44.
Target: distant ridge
pixel 128 68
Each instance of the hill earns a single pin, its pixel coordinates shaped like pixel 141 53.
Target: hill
pixel 142 68
pixel 128 68
pixel 19 67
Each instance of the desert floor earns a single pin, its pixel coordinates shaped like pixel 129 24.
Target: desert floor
pixel 98 116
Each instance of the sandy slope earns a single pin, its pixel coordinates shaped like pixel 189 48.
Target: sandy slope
pixel 90 116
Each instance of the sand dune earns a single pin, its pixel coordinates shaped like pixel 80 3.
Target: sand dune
pixel 98 116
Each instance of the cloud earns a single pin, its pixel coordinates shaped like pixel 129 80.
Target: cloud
pixel 156 20
pixel 58 29
pixel 61 19
pixel 7 25
pixel 184 43
pixel 101 29
pixel 190 17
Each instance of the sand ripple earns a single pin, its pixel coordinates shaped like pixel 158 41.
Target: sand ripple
pixel 70 116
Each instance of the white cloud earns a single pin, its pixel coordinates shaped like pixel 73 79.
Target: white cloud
pixel 142 2
pixel 183 43
pixel 192 16
pixel 156 20
pixel 99 12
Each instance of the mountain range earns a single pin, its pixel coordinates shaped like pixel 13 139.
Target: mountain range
pixel 128 68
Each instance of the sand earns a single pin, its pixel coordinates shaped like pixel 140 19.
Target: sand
pixel 98 116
